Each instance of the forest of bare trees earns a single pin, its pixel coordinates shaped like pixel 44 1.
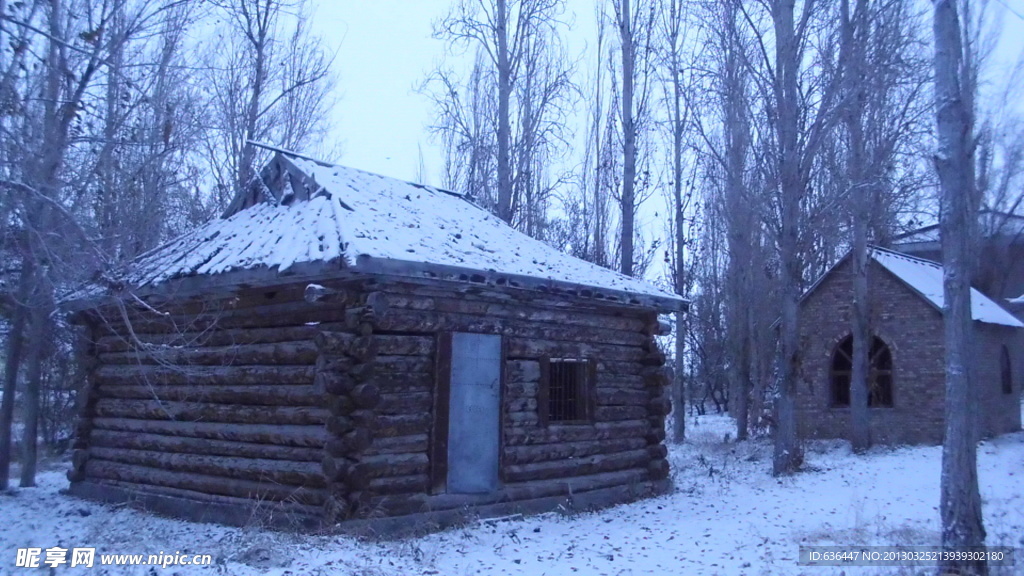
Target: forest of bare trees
pixel 730 150
pixel 119 131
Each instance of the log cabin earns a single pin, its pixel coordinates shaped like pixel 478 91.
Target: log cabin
pixel 341 349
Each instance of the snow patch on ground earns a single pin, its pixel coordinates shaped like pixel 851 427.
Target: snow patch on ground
pixel 727 516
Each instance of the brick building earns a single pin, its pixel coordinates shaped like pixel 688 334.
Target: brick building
pixel 907 376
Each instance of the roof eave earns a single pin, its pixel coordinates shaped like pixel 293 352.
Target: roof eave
pixel 442 272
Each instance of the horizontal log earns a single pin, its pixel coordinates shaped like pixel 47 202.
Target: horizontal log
pixel 461 310
pixel 413 484
pixel 207 484
pixel 532 347
pixel 79 458
pixel 408 403
pixel 622 397
pixel 523 370
pixel 522 418
pixel 122 343
pixel 198 412
pixel 515 403
pixel 360 348
pixel 576 466
pixel 369 468
pixel 258 509
pixel 279 353
pixel 558 433
pixel 655 435
pixel 226 315
pixel 548 452
pixel 204 375
pixel 573 484
pixel 391 382
pixel 656 380
pixel 365 395
pixel 658 469
pixel 284 472
pixel 654 358
pixel 408 444
pixel 657 451
pixel 388 363
pixel 337 470
pixel 403 424
pixel 609 381
pixel 521 389
pixel 615 413
pixel 399 504
pixel 252 395
pixel 187 445
pixel 318 293
pixel 659 406
pixel 351 443
pixel 620 368
pixel 281 435
pixel 405 344
pixel 338 405
pixel 350 367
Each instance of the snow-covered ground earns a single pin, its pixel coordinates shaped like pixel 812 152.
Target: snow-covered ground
pixel 728 516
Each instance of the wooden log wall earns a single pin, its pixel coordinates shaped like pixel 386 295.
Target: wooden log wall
pixel 622 446
pixel 212 401
pixel 327 401
pixel 345 379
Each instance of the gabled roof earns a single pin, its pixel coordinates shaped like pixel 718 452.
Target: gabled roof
pixel 318 217
pixel 924 277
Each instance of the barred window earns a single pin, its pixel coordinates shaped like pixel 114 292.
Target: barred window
pixel 879 373
pixel 565 394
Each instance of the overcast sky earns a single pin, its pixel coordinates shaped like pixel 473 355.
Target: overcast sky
pixel 385 51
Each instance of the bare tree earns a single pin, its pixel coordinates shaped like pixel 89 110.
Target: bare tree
pixel 674 31
pixel 954 162
pixel 504 125
pixel 272 82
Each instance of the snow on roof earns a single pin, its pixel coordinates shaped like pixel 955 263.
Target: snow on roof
pixel 925 278
pixel 371 223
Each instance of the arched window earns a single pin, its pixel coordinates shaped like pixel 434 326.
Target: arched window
pixel 879 374
pixel 1006 371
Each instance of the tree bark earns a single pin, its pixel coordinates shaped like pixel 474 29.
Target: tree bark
pixel 15 339
pixel 854 36
pixel 960 505
pixel 504 124
pixel 787 455
pixel 628 137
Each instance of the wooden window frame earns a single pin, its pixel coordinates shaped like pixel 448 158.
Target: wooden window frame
pixel 874 372
pixel 587 402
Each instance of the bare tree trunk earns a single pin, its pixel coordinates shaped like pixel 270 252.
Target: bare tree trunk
pixel 12 365
pixel 787 456
pixel 854 35
pixel 960 506
pixel 38 330
pixel 504 124
pixel 628 137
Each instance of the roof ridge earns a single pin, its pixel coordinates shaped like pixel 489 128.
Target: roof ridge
pixel 906 256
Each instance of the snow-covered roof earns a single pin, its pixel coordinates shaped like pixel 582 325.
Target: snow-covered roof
pixel 925 278
pixel 373 224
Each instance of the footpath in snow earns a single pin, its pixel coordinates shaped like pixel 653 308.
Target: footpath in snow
pixel 727 516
